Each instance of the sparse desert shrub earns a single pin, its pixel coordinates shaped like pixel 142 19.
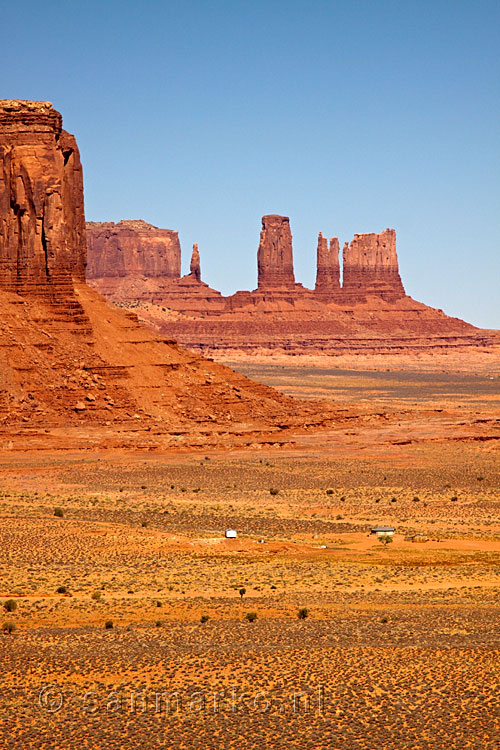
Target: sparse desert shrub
pixel 159 623
pixel 273 491
pixel 377 499
pixel 416 499
pixel 338 517
pixel 58 512
pixel 196 489
pixel 109 625
pixel 9 627
pixel 96 596
pixel 480 479
pixel 384 620
pixel 242 592
pixel 394 499
pixel 454 499
pixel 385 539
pixel 329 492
pixel 62 589
pixel 273 587
pixel 158 603
pixel 10 605
pixel 143 486
pixel 144 524
pixel 303 613
pixel 204 618
pixel 251 616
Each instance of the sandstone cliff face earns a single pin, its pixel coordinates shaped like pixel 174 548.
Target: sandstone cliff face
pixel 328 268
pixel 42 223
pixel 275 255
pixel 132 248
pixel 371 267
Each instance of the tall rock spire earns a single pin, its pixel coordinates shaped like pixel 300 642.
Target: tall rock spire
pixel 194 268
pixel 275 254
pixel 328 268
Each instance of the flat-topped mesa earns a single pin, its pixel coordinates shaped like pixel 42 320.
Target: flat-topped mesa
pixel 132 248
pixel 194 267
pixel 371 268
pixel 328 268
pixel 275 254
pixel 42 221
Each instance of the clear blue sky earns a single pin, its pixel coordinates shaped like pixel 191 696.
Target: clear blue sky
pixel 348 116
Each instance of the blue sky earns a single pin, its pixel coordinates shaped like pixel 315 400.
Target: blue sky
pixel 348 116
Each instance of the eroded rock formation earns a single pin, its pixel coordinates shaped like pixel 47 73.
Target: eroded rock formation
pixel 132 248
pixel 42 223
pixel 327 268
pixel 194 267
pixel 275 254
pixel 371 267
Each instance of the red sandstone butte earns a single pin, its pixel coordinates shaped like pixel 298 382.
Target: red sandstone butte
pixel 327 268
pixel 371 267
pixel 275 254
pixel 42 226
pixel 131 248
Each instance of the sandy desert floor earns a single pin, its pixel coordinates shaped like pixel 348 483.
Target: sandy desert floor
pixel 401 643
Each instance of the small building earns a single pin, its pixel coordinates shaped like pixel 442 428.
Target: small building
pixel 231 534
pixel 383 530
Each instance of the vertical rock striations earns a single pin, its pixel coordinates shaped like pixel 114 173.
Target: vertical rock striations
pixel 42 222
pixel 132 248
pixel 194 267
pixel 371 267
pixel 275 255
pixel 328 268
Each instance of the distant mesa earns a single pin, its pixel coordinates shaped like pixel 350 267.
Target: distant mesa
pixel 358 305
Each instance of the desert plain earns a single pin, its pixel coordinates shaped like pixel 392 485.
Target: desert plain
pixel 130 620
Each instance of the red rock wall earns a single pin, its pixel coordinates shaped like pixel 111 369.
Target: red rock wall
pixel 42 222
pixel 275 255
pixel 371 267
pixel 132 248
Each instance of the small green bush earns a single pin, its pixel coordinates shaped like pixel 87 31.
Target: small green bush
pixel 454 499
pixel 204 618
pixel 58 512
pixel 10 605
pixel 384 620
pixel 62 589
pixel 329 492
pixel 159 623
pixel 9 627
pixel 242 592
pixel 108 625
pixel 303 613
pixel 251 616
pixel 96 596
pixel 273 491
